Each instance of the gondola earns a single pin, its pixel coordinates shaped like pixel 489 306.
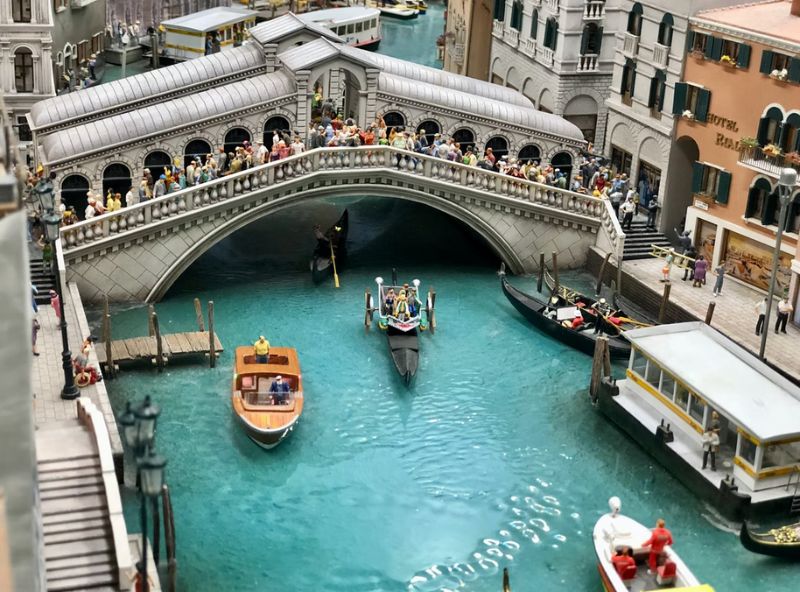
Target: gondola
pixel 783 542
pixel 582 338
pixel 335 242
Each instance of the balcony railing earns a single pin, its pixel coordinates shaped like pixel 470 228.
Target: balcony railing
pixel 512 37
pixel 546 55
pixel 587 63
pixel 595 10
pixel 80 3
pixel 766 163
pixel 630 46
pixel 660 55
pixel 497 28
pixel 528 47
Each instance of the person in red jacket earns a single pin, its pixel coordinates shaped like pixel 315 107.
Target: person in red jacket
pixel 622 559
pixel 660 538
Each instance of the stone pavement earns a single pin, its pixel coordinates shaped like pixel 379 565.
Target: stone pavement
pixel 48 375
pixel 734 314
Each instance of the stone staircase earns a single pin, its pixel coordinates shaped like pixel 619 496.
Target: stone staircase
pixel 43 278
pixel 638 240
pixel 78 538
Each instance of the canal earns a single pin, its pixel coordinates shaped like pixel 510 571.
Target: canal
pixel 493 457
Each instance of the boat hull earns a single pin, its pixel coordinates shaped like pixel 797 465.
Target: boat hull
pixel 321 265
pixel 266 439
pixel 398 14
pixel 370 45
pixel 763 545
pixel 404 347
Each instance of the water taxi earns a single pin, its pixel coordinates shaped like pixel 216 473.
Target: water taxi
pixel 401 314
pixel 206 32
pixel 685 379
pixel 267 411
pixel 395 9
pixel 615 532
pixel 359 26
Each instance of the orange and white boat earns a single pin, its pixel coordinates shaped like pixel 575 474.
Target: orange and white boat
pixel 267 416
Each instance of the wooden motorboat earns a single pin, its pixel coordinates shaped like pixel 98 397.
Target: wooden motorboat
pixel 267 417
pixel 402 329
pixel 554 316
pixel 334 244
pixel 394 9
pixel 783 541
pixel 613 532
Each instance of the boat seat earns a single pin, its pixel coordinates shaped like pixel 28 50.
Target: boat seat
pixel 629 573
pixel 666 573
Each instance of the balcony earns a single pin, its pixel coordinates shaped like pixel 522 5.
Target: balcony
pixel 546 55
pixel 595 10
pixel 588 63
pixel 756 159
pixel 528 47
pixel 660 55
pixel 497 29
pixel 552 5
pixel 630 46
pixel 80 3
pixel 512 37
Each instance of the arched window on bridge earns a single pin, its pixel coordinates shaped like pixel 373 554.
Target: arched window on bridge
pixel 117 178
pixel 196 150
pixel 431 128
pixel 563 162
pixel 275 124
pixel 529 152
pixel 499 146
pixel 235 138
pixel 73 193
pixel 393 119
pixel 465 137
pixel 156 161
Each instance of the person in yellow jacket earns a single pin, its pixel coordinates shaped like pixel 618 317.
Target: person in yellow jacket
pixel 262 350
pixel 401 306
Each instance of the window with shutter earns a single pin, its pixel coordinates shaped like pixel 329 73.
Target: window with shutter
pixel 794 70
pixel 697 177
pixel 723 187
pixel 743 58
pixel 679 98
pixel 766 62
pixel 708 50
pixel 703 99
pixel 689 41
pixel 534 24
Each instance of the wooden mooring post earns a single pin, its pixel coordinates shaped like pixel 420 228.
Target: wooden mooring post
pixel 198 311
pixel 212 351
pixel 601 365
pixel 555 273
pixel 151 310
pixel 159 344
pixel 601 274
pixel 110 369
pixel 506 581
pixel 710 312
pixel 662 311
pixel 540 279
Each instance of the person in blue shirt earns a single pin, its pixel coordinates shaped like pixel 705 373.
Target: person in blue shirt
pixel 279 390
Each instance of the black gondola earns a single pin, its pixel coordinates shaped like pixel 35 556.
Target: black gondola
pixel 336 237
pixel 405 352
pixel 783 542
pixel 583 338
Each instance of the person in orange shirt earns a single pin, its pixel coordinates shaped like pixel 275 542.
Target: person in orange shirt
pixel 660 538
pixel 622 559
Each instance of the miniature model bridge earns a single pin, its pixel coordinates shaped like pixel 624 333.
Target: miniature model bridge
pixel 137 253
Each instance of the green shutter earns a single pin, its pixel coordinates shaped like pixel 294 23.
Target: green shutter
pixel 716 48
pixel 584 40
pixel 697 176
pixel 663 92
pixel 689 41
pixel 769 212
pixel 599 40
pixel 709 52
pixel 703 99
pixel 794 70
pixel 766 62
pixel 651 101
pixel 633 80
pixel 723 187
pixel 763 125
pixel 752 202
pixel 679 98
pixel 743 57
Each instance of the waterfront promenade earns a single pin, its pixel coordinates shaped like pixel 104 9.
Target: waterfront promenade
pixel 734 313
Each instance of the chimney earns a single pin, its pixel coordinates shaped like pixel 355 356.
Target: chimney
pixel 795 10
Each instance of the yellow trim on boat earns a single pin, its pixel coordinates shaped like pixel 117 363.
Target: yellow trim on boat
pixel 701 588
pixel 666 401
pixel 184 48
pixel 749 436
pixel 745 466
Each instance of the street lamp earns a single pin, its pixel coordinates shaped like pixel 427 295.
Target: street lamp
pixel 139 431
pixel 52 227
pixel 786 185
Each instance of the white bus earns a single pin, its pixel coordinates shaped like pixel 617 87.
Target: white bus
pixel 206 32
pixel 356 25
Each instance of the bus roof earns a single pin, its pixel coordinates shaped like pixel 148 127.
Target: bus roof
pixel 210 20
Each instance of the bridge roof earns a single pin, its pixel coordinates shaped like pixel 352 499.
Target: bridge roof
pixel 156 119
pixel 284 26
pixel 317 51
pixel 144 86
pixel 465 102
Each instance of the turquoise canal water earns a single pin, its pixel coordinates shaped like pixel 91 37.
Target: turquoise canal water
pixel 494 457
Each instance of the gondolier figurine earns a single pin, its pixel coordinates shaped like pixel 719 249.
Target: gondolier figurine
pixel 261 348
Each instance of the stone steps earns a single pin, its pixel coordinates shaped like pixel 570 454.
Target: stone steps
pixel 43 279
pixel 639 240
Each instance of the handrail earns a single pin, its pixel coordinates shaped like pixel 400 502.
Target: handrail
pixel 795 471
pixel 169 537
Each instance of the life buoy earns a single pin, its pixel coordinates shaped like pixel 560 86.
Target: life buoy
pixel 83 379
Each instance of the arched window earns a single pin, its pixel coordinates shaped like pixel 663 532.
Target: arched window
pixel 21 11
pixel 793 216
pixel 499 146
pixel 592 39
pixel 769 128
pixel 465 137
pixel 563 162
pixel 757 198
pixel 628 81
pixel 635 20
pixel 665 30
pixel 429 128
pixel 529 152
pixel 500 10
pixel 235 138
pixel 196 150
pixel 394 119
pixel 73 193
pixel 23 70
pixel 117 178
pixel 275 124
pixel 551 33
pixel 658 87
pixel 156 161
pixel 516 15
pixel 790 133
pixel 534 23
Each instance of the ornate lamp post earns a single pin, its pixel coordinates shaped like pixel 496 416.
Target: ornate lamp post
pixel 52 228
pixel 139 431
pixel 786 185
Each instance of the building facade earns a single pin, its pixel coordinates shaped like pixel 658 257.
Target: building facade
pixel 467 42
pixel 559 54
pixel 738 127
pixel 79 32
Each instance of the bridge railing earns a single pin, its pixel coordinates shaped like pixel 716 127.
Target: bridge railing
pixel 325 160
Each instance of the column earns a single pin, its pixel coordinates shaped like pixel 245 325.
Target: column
pixel 37 73
pixel 372 96
pixel 47 84
pixel 303 99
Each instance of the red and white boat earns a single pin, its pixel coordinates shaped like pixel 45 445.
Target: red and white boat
pixel 359 26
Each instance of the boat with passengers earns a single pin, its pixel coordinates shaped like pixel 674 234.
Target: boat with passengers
pixel 267 397
pixel 398 9
pixel 205 32
pixel 401 314
pixel 687 380
pixel 359 26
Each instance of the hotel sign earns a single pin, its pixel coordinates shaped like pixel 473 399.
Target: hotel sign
pixel 728 125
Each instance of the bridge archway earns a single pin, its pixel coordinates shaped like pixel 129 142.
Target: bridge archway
pixel 73 192
pixel 235 137
pixel 274 124
pixel 196 149
pixel 117 178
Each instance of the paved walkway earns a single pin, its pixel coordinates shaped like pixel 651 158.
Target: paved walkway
pixel 734 313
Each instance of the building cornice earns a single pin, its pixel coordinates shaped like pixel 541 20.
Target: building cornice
pixel 714 27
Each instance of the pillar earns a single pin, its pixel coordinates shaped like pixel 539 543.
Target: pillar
pixel 371 103
pixel 271 56
pixel 303 100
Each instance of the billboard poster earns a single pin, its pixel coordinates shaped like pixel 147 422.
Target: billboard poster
pixel 705 238
pixel 751 262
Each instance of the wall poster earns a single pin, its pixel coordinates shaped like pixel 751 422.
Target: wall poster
pixel 751 262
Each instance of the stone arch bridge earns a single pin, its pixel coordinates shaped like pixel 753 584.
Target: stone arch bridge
pixel 135 254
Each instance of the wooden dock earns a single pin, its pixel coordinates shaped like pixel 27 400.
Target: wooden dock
pixel 174 345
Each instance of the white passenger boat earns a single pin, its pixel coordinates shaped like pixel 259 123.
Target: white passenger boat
pixel 395 9
pixel 359 26
pixel 205 32
pixel 614 532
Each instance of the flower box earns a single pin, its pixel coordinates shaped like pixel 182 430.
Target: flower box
pixel 792 158
pixel 726 60
pixel 772 150
pixel 779 75
pixel 698 54
pixel 706 198
pixel 688 115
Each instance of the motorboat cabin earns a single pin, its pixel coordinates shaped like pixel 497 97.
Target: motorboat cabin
pixel 205 32
pixel 685 378
pixel 359 26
